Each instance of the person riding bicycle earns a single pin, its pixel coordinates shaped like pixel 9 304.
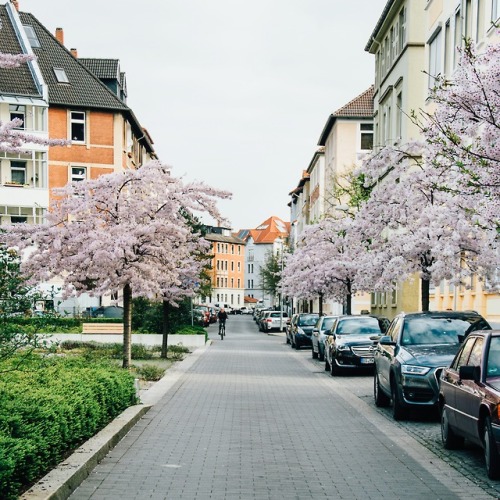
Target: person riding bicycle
pixel 222 316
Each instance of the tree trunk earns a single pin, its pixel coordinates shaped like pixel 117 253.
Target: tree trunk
pixel 164 329
pixel 348 299
pixel 127 326
pixel 425 286
pixel 321 304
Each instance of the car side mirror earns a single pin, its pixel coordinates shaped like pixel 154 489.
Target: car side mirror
pixel 386 340
pixel 470 373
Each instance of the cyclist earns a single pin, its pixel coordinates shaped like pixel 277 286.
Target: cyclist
pixel 222 316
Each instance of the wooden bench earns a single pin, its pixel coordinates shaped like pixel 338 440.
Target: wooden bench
pixel 102 328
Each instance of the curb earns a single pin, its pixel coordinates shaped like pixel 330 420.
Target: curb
pixel 59 483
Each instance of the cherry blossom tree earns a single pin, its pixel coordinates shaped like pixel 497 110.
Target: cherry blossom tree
pixel 330 262
pixel 463 133
pixel 125 230
pixel 416 226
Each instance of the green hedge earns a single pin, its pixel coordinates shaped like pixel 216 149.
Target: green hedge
pixel 47 411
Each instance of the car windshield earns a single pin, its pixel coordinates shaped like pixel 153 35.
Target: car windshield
pixel 493 366
pixel 435 330
pixel 327 323
pixel 359 326
pixel 309 320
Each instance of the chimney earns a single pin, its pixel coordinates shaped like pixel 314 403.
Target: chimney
pixel 15 3
pixel 74 53
pixel 60 35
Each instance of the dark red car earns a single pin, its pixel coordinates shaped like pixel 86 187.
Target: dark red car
pixel 469 397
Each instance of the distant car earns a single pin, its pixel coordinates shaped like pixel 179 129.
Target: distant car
pixel 410 357
pixel 469 398
pixel 274 320
pixel 351 342
pixel 319 334
pixel 262 318
pixel 300 329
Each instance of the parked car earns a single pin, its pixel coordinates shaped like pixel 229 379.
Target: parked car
pixel 469 398
pixel 274 320
pixel 258 316
pixel 203 311
pixel 300 329
pixel 262 318
pixel 410 358
pixel 351 342
pixel 319 334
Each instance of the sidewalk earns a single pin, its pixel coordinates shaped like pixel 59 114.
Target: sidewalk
pixel 250 418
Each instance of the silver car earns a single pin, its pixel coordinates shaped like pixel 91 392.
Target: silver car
pixel 274 321
pixel 320 332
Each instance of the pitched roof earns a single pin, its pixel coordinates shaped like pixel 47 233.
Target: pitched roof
pixel 361 107
pixel 14 81
pixel 103 68
pixel 269 231
pixel 224 239
pixel 84 89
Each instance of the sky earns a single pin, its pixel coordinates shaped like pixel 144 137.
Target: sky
pixel 234 93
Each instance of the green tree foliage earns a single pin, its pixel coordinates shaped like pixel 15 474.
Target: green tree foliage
pixel 270 273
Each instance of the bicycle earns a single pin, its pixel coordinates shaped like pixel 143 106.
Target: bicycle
pixel 222 329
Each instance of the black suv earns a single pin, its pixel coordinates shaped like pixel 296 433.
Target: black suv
pixel 410 358
pixel 300 329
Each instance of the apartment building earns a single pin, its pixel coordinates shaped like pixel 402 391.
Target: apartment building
pixel 61 97
pixel 227 268
pixel 270 238
pixel 346 137
pixel 24 183
pixel 398 44
pixel 447 23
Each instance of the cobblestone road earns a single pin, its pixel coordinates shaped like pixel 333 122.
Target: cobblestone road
pixel 253 419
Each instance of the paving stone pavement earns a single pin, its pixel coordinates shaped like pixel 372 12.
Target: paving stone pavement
pixel 253 419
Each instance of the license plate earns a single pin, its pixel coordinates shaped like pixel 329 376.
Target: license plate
pixel 366 361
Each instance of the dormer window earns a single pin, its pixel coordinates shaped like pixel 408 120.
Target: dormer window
pixel 61 76
pixel 32 38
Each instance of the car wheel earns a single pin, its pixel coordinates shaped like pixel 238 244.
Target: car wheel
pixel 334 368
pixel 450 440
pixel 491 455
pixel 381 398
pixel 297 346
pixel 327 365
pixel 321 354
pixel 399 412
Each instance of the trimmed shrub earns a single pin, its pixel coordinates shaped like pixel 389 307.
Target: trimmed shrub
pixel 47 412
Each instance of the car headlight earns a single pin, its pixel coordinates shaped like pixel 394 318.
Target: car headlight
pixel 300 331
pixel 414 370
pixel 343 348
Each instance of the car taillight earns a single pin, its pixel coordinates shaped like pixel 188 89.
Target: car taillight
pixel 497 412
pixel 269 320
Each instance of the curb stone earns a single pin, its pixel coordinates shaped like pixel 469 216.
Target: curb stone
pixel 59 483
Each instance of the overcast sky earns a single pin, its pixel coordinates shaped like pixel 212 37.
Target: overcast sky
pixel 234 93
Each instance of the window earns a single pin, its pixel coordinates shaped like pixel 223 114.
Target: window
pixel 114 296
pixel 32 38
pixel 495 10
pixel 464 356
pixel 14 219
pixel 366 130
pixel 399 118
pixel 218 282
pixel 468 19
pixel 458 38
pixel 475 355
pixel 447 49
pixel 18 172
pixel 232 266
pixel 232 249
pixel 19 112
pixel 78 174
pixel 239 266
pixel 61 75
pixel 480 31
pixel 77 119
pixel 435 66
pixel 218 247
pixel 239 283
pixel 402 29
pixel 239 249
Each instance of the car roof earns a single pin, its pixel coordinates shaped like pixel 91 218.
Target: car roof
pixel 444 314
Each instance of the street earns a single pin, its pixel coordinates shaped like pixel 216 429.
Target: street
pixel 255 419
